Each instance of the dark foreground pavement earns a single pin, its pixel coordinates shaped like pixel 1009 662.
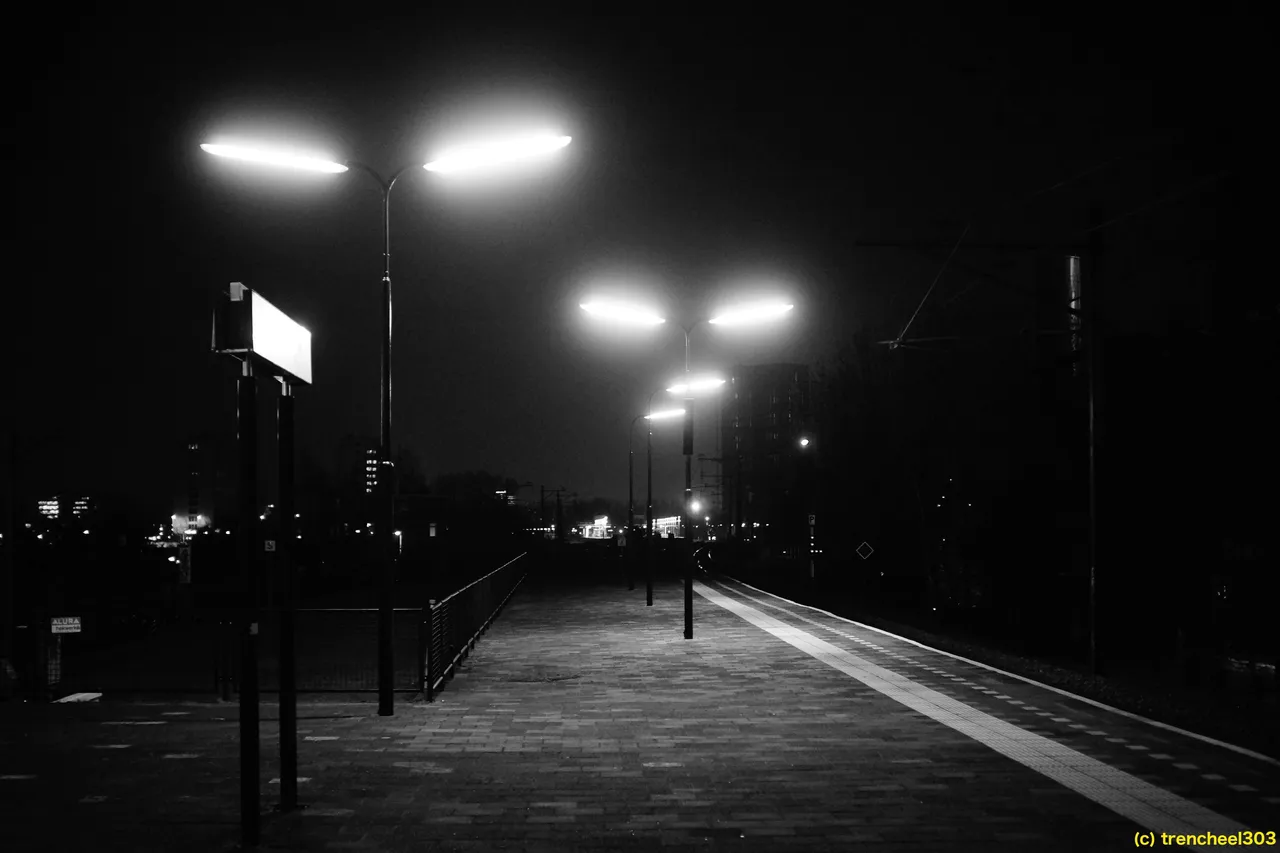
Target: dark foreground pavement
pixel 584 721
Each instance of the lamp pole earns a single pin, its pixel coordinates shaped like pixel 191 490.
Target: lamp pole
pixel 688 488
pixel 631 499
pixel 648 514
pixel 386 476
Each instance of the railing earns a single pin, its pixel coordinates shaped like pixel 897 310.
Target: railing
pixel 457 621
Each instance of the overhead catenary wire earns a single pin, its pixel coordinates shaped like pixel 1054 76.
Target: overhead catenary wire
pixel 936 279
pixel 901 338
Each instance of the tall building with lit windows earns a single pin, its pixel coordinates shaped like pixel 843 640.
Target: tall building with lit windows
pixel 765 410
pixel 66 510
pixel 371 471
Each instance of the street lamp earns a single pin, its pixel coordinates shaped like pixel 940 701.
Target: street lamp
pixel 742 314
pixel 481 157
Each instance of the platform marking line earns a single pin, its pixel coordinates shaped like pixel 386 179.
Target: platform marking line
pixel 1095 703
pixel 1134 799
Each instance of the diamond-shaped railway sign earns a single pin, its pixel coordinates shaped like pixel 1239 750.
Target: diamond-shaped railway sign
pixel 864 550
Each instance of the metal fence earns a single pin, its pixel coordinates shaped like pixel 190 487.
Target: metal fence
pixel 336 648
pixel 456 622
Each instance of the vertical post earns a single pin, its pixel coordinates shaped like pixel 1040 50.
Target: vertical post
pixel 631 508
pixel 542 510
pixel 288 605
pixel 430 615
pixel 649 545
pixel 386 660
pixel 7 608
pixel 247 424
pixel 1089 309
pixel 687 551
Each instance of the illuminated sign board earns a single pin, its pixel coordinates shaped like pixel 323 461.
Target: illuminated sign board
pixel 250 324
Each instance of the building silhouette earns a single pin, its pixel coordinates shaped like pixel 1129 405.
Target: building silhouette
pixel 766 410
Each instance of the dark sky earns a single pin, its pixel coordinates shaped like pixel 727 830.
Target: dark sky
pixel 712 153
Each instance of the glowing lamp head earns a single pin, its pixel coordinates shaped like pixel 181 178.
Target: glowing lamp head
pixel 498 153
pixel 804 442
pixel 693 386
pixel 664 415
pixel 274 157
pixel 622 312
pixel 697 506
pixel 746 315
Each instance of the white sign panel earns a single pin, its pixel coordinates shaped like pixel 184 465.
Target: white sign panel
pixel 812 519
pixel 65 624
pixel 280 340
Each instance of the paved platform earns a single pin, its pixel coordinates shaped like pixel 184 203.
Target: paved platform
pixel 585 721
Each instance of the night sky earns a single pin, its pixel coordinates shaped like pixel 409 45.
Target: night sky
pixel 711 154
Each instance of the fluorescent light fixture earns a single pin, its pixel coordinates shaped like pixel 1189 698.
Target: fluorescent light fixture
pixel 474 158
pixel 708 383
pixel 758 312
pixel 622 312
pixel 274 157
pixel 669 413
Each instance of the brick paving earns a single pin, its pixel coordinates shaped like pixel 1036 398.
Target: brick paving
pixel 584 721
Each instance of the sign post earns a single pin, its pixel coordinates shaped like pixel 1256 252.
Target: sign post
pixel 261 336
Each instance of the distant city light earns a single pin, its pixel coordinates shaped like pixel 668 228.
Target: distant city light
pixel 804 442
pixel 86 533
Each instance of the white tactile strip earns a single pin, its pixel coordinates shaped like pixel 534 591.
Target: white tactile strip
pixel 906 660
pixel 1147 805
pixel 1083 699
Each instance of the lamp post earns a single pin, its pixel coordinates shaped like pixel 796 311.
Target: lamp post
pixel 632 314
pixel 687 388
pixel 651 416
pixel 461 161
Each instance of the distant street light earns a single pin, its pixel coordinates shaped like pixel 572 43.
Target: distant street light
pixel 752 313
pixel 623 313
pixel 470 159
pixel 274 157
pixel 804 442
pixel 708 383
pixel 488 155
pixel 758 312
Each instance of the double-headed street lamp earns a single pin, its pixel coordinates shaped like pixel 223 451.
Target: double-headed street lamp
pixel 467 160
pixel 740 315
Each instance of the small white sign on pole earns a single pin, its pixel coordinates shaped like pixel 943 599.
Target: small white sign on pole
pixel 270 544
pixel 812 519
